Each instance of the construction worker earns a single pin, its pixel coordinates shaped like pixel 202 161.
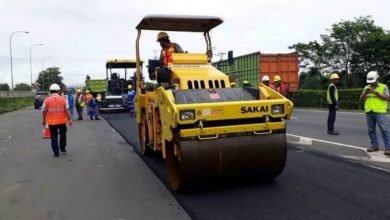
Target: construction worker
pixel 56 114
pixel 332 97
pixel 375 96
pixel 80 103
pixel 246 83
pixel 92 108
pixel 232 85
pixel 69 97
pixel 265 80
pixel 98 101
pixel 130 99
pixel 88 97
pixel 279 86
pixel 167 48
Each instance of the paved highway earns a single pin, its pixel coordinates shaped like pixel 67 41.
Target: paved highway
pixel 100 178
pixel 320 180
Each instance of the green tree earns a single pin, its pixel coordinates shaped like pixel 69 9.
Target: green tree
pixel 4 87
pixel 49 76
pixel 351 48
pixel 22 87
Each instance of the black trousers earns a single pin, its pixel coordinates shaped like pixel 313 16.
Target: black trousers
pixel 54 131
pixel 79 111
pixel 331 117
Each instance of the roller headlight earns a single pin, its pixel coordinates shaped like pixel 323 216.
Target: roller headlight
pixel 187 115
pixel 277 109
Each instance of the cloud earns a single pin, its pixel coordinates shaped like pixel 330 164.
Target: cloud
pixel 81 35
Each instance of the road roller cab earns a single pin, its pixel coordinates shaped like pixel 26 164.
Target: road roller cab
pixel 203 127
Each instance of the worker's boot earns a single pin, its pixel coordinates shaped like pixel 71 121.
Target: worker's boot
pixel 373 149
pixel 333 133
pixel 387 152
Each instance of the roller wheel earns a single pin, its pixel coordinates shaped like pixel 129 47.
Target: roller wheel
pixel 143 137
pixel 173 168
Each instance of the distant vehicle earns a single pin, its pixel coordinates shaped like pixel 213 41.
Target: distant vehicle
pixel 39 98
pixel 113 89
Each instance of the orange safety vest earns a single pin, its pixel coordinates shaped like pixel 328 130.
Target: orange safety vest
pixel 166 54
pixel 88 97
pixel 56 110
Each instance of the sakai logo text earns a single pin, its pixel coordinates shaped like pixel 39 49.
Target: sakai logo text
pixel 254 109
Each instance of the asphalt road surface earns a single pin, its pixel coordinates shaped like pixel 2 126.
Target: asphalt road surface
pixel 316 184
pixel 101 177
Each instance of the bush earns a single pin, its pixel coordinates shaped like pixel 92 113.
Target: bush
pixel 8 104
pixel 348 98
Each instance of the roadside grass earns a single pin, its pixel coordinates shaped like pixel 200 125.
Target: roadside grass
pixel 8 104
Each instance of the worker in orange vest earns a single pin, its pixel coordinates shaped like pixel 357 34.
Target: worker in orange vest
pixel 88 97
pixel 167 48
pixel 56 114
pixel 279 86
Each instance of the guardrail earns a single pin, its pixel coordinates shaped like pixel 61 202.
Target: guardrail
pixel 16 93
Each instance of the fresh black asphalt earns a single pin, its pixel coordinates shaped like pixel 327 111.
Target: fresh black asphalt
pixel 312 186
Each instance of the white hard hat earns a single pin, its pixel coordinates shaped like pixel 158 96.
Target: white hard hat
pixel 372 76
pixel 265 78
pixel 54 87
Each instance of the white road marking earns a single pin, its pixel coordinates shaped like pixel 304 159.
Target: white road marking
pixel 294 117
pixel 342 112
pixel 328 142
pixel 377 156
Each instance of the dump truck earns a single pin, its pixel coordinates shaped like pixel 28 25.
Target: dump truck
pixel 113 89
pixel 254 66
pixel 202 127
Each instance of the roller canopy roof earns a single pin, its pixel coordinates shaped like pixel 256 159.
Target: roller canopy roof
pixel 186 23
pixel 121 63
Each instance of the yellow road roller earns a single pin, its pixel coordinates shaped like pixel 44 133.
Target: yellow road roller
pixel 203 128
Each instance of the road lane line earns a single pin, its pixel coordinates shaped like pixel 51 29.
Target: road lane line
pixel 374 156
pixel 341 112
pixel 326 142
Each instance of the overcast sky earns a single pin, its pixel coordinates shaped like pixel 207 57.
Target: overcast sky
pixel 80 36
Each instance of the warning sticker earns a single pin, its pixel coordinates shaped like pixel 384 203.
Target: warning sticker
pixel 214 96
pixel 206 112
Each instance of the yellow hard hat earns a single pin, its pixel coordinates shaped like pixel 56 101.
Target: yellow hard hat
pixel 232 83
pixel 129 86
pixel 78 90
pixel 245 82
pixel 162 35
pixel 99 97
pixel 87 91
pixel 277 78
pixel 334 76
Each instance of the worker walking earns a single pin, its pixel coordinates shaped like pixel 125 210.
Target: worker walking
pixel 88 96
pixel 80 103
pixel 92 108
pixel 167 48
pixel 130 99
pixel 56 114
pixel 375 97
pixel 332 96
pixel 280 86
pixel 69 97
pixel 265 80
